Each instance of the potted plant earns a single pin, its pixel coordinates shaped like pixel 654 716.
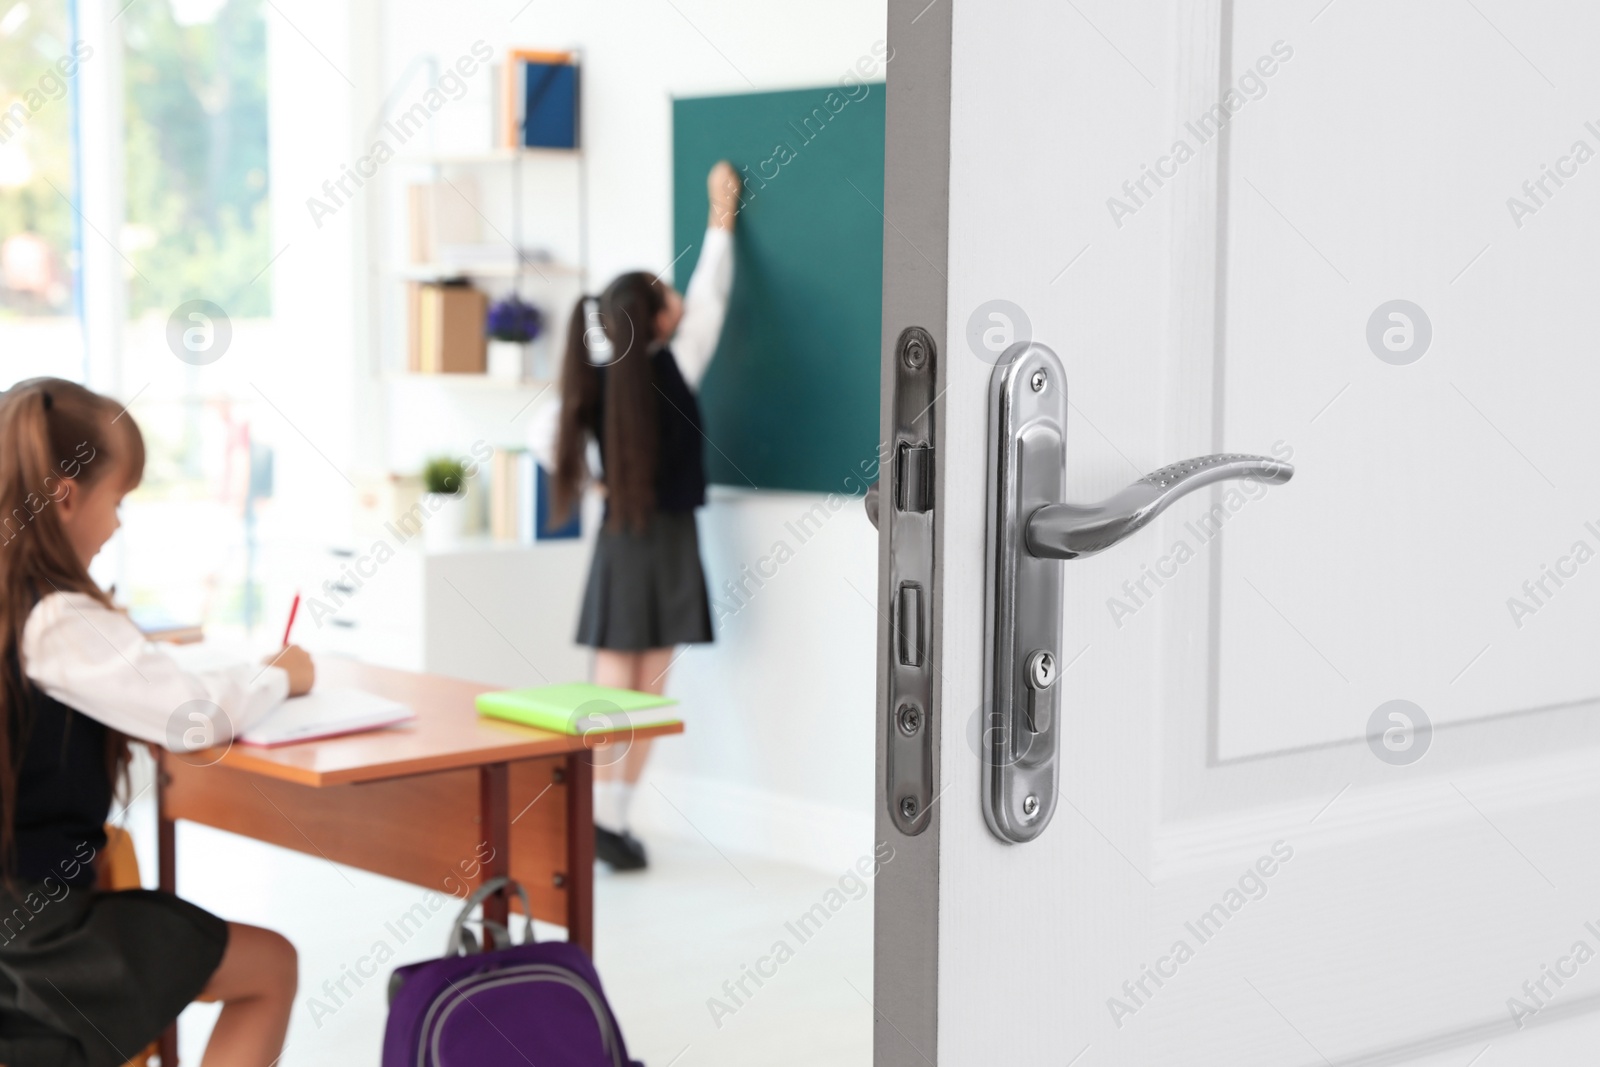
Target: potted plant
pixel 512 327
pixel 444 481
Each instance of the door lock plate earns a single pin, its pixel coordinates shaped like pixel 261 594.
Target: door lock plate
pixel 907 509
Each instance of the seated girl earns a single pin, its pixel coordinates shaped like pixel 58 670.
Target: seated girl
pixel 89 978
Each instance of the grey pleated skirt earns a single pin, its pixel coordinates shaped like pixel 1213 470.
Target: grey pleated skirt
pixel 89 979
pixel 646 588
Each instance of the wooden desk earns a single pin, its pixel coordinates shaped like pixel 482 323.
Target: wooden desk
pixel 446 802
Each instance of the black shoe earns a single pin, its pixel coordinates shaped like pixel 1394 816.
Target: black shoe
pixel 620 852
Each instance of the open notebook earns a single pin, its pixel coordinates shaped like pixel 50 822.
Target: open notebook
pixel 326 713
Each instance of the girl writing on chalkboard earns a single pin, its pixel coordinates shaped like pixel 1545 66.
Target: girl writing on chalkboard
pixel 635 356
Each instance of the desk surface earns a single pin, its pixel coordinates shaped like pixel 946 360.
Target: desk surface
pixel 447 734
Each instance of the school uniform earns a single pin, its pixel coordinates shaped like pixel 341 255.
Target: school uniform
pixel 89 978
pixel 646 588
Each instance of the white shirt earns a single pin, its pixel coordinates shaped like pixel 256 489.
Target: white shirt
pixel 96 660
pixel 705 306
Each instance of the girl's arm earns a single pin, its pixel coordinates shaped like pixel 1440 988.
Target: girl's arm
pixel 93 658
pixel 705 301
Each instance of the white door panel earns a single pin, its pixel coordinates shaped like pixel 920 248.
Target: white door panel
pixel 1223 667
pixel 1349 191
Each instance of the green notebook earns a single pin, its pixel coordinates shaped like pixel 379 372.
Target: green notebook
pixel 579 708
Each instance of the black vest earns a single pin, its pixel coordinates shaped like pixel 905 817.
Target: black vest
pixel 680 459
pixel 64 789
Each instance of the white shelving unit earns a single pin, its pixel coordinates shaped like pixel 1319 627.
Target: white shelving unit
pixel 432 272
pixel 517 206
pixel 498 612
pixel 534 201
pixel 488 155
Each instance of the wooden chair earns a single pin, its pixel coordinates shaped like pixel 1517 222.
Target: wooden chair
pixel 119 869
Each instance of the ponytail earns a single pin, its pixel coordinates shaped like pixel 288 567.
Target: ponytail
pixel 607 362
pixel 580 400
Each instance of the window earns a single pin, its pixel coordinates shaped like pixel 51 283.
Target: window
pixel 196 227
pixel 195 83
pixel 40 328
pixel 198 234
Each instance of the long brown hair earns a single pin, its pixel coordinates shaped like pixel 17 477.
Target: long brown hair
pixel 51 431
pixel 617 347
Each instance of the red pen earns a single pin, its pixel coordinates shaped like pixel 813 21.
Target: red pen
pixel 294 609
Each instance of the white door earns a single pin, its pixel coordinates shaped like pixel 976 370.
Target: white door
pixel 1328 752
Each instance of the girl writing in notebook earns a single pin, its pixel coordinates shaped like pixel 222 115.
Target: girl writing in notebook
pixel 634 358
pixel 89 978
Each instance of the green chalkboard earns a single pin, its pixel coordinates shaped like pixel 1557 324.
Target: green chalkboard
pixel 791 399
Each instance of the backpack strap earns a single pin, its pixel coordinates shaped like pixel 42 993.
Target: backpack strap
pixel 461 941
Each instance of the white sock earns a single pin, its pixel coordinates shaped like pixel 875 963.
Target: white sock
pixel 624 802
pixel 608 808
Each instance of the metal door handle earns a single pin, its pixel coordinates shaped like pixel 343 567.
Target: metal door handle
pixel 1029 531
pixel 1072 531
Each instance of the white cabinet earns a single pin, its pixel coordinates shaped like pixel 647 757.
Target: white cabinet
pixel 502 614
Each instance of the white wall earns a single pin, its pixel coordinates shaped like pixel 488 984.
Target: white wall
pixel 637 56
pixel 320 422
pixel 778 757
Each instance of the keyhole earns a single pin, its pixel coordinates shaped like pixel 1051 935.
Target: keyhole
pixel 1041 669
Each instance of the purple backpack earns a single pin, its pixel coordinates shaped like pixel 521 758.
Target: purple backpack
pixel 510 1004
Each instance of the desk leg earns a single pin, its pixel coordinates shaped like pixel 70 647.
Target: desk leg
pixel 494 803
pixel 167 879
pixel 580 851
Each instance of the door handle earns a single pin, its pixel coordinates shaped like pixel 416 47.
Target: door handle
pixel 1072 531
pixel 1030 530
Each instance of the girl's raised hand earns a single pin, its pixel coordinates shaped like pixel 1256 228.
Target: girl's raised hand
pixel 722 186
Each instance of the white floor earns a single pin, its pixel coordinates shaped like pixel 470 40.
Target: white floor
pixel 667 941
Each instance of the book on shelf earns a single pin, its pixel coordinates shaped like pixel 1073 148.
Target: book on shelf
pixel 413 327
pixel 519 500
pixel 526 490
pixel 503 493
pixel 440 215
pixel 541 104
pixel 544 526
pixel 447 329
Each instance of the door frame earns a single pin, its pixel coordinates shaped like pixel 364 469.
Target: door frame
pixel 916 210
